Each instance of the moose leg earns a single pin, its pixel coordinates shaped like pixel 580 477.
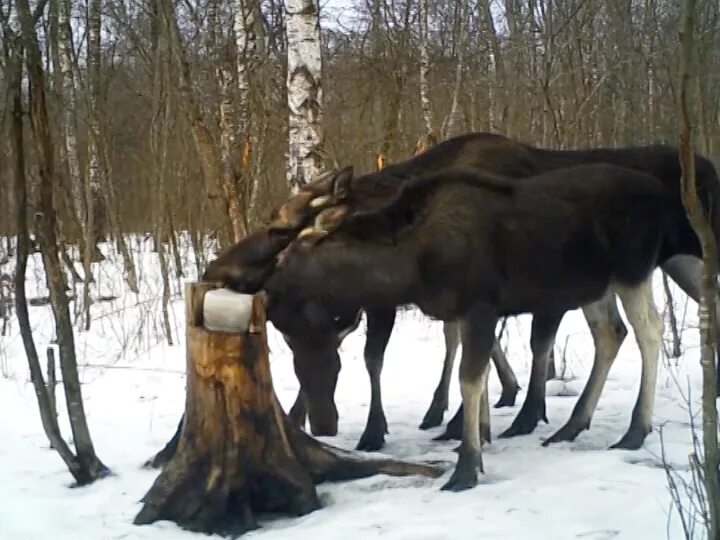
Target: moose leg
pixel 379 328
pixel 477 337
pixel 454 428
pixel 438 406
pixel 608 331
pixel 510 388
pixel 542 338
pixel 507 377
pixel 648 326
pixel 686 271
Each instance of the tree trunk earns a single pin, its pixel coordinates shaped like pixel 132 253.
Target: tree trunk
pixel 45 401
pixel 245 26
pixel 91 187
pixel 216 173
pixel 95 208
pixel 89 467
pixel 159 134
pixel 228 151
pixel 304 92
pixel 707 314
pixel 452 120
pixel 237 453
pixel 70 194
pixel 69 103
pixel 496 92
pixel 425 103
pixel 116 224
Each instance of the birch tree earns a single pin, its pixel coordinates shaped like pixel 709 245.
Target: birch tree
pixel 66 89
pixel 91 191
pixel 225 75
pixel 304 92
pixel 216 171
pixel 70 206
pixel 425 103
pixel 496 88
pixel 245 25
pixel 706 311
pixel 451 121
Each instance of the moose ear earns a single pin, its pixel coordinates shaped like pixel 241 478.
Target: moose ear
pixel 342 184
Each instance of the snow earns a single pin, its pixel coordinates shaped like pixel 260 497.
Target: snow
pixel 134 395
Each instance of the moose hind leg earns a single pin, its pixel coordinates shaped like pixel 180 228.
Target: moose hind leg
pixel 648 326
pixel 608 332
pixel 544 328
pixel 508 380
pixel 379 328
pixel 438 406
pixel 510 387
pixel 686 271
pixel 477 337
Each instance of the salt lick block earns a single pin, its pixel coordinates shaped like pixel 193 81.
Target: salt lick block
pixel 227 311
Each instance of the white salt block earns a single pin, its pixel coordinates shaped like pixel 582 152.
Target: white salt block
pixel 227 311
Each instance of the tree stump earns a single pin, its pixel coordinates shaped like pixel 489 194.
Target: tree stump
pixel 236 454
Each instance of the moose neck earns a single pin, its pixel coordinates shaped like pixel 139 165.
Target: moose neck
pixel 362 274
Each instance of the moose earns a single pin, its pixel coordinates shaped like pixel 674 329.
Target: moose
pixel 247 264
pixel 473 247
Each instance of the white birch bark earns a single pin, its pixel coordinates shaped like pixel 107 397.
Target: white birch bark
pixel 94 171
pixel 69 105
pixel 92 181
pixel 452 118
pixel 246 44
pixel 425 103
pixel 304 90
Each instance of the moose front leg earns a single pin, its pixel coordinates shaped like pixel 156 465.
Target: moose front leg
pixel 542 338
pixel 478 334
pixel 379 328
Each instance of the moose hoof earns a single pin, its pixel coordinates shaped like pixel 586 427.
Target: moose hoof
pixel 567 433
pixel 465 474
pixel 507 399
pixel 433 416
pixel 373 438
pixel 454 428
pixel 525 422
pixel 633 439
pixel 453 432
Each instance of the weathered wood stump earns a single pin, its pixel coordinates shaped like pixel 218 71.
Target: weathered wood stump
pixel 235 453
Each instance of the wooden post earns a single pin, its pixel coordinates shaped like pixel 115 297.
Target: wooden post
pixel 236 453
pixel 51 380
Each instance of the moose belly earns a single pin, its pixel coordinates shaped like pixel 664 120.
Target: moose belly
pixel 538 296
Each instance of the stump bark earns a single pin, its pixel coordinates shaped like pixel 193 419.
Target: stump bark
pixel 235 453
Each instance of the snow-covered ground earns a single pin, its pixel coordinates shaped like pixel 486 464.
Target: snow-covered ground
pixel 134 393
